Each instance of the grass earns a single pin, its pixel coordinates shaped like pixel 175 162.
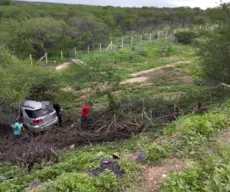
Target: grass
pixel 193 133
pixel 122 63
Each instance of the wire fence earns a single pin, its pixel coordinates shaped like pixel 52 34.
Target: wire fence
pixel 117 43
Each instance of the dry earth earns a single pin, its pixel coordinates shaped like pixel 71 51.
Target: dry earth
pixel 143 76
pixel 153 175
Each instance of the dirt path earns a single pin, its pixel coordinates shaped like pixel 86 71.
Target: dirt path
pixel 62 66
pixel 143 76
pixel 153 175
pixel 224 137
pixel 142 73
pixel 66 64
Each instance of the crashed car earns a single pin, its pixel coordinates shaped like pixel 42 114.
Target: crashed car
pixel 37 116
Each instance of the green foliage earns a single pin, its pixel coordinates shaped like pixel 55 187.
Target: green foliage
pixel 199 20
pixel 5 2
pixel 185 37
pixel 211 174
pixel 206 124
pixel 17 77
pixel 213 51
pixel 82 182
pixel 36 28
pixel 39 36
pixel 155 153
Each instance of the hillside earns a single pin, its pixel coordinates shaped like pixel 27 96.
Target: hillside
pixel 159 120
pixel 146 105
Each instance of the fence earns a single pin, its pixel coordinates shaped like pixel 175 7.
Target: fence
pixel 130 40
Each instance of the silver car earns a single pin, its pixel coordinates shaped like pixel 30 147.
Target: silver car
pixel 37 116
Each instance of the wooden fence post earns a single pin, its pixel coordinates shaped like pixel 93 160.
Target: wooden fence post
pixel 46 56
pixel 61 54
pixel 141 39
pixel 150 37
pixel 158 36
pixel 100 47
pixel 122 42
pixel 31 60
pixel 75 51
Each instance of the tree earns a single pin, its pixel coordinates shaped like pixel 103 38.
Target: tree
pixel 5 2
pixel 199 20
pixel 185 37
pixel 39 36
pixel 214 52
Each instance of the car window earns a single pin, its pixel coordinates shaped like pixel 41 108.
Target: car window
pixel 29 113
pixel 37 113
pixel 40 113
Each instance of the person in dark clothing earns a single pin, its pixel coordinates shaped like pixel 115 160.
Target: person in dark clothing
pixel 58 110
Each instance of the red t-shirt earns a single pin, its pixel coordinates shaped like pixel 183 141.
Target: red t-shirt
pixel 85 111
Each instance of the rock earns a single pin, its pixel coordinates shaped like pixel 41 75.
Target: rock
pixel 138 156
pixel 107 164
pixel 115 156
pixel 164 175
pixel 36 182
pixel 71 146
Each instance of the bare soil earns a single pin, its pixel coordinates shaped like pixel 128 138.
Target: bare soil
pixel 153 175
pixel 144 76
pixel 142 73
pixel 62 66
pixel 224 136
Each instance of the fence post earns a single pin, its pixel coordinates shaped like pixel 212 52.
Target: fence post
pixel 61 54
pixel 150 37
pixel 100 47
pixel 31 59
pixel 167 33
pixel 158 36
pixel 46 56
pixel 88 49
pixel 122 42
pixel 75 51
pixel 141 39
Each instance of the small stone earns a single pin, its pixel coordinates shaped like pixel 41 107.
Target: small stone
pixel 71 146
pixel 164 175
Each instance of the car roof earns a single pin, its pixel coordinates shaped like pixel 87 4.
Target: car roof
pixel 33 105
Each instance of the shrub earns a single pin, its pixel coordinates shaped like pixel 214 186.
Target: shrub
pixel 185 37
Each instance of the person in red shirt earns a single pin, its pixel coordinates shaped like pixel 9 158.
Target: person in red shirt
pixel 85 112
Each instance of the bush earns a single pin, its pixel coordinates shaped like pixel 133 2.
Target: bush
pixel 185 37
